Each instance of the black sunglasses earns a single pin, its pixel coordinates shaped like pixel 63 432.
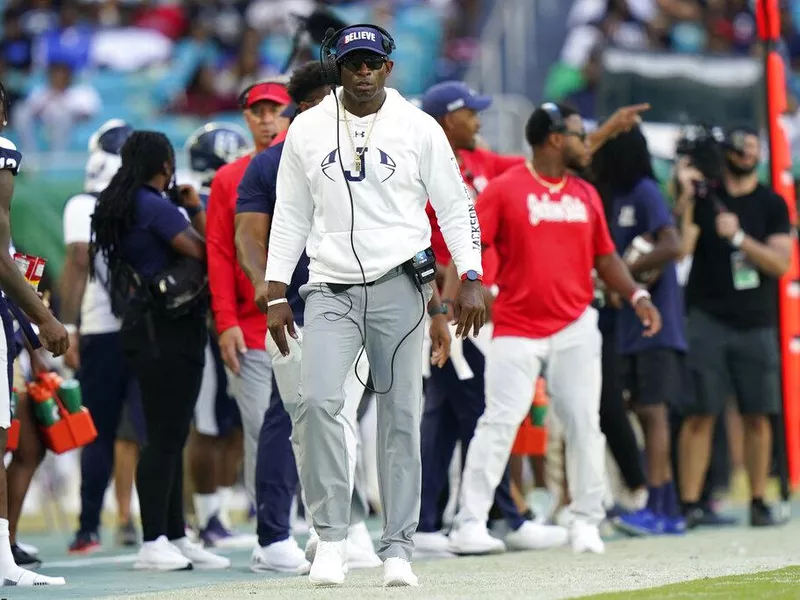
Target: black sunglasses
pixel 581 135
pixel 353 63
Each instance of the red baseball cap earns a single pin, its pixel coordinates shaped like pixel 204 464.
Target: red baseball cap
pixel 274 92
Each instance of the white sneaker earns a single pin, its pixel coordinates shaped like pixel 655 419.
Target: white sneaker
pixel 586 538
pixel 284 556
pixel 431 544
pixel 329 566
pixel 200 557
pixel 160 555
pixel 23 578
pixel 397 573
pixel 360 549
pixel 311 545
pixel 474 538
pixel 534 536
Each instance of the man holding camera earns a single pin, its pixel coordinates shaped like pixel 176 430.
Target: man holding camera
pixel 738 231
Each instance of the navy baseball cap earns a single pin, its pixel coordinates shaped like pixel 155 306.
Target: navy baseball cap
pixel 360 37
pixel 445 97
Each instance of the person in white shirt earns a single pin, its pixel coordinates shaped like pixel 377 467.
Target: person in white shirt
pixel 109 387
pixel 355 176
pixel 56 107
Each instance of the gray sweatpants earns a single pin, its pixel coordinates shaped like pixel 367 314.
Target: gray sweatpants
pixel 330 345
pixel 288 372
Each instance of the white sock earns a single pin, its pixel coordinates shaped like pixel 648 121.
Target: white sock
pixel 205 507
pixel 9 569
pixel 226 499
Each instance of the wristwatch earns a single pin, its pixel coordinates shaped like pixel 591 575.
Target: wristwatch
pixel 738 238
pixel 471 275
pixel 438 310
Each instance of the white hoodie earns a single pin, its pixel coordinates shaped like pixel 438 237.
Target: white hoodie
pixel 408 161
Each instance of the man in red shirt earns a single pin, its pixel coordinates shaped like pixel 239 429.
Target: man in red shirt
pixel 549 231
pixel 454 393
pixel 241 326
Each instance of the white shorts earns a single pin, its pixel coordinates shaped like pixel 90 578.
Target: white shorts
pixel 215 413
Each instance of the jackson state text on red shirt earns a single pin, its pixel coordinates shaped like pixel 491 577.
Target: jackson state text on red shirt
pixel 478 167
pixel 546 245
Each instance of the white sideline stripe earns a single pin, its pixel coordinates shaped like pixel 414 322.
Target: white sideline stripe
pixel 88 562
pixel 121 559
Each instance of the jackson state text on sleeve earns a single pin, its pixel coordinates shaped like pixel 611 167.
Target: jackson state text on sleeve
pixel 450 199
pixel 291 223
pixel 488 207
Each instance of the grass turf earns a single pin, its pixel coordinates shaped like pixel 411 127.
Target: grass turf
pixel 780 584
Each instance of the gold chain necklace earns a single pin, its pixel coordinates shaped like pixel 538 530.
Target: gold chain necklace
pixel 358 156
pixel 551 187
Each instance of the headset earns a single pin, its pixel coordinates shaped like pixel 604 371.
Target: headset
pixel 556 120
pixel 327 58
pixel 332 77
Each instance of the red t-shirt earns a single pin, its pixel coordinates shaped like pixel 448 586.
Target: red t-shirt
pixel 231 291
pixel 478 167
pixel 546 244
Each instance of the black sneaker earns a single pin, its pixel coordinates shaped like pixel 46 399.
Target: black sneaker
pixel 700 515
pixel 761 516
pixel 25 560
pixel 85 543
pixel 127 535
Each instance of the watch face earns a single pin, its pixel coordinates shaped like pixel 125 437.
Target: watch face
pixel 472 275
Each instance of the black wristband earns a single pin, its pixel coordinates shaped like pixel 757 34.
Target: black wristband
pixel 438 310
pixel 193 211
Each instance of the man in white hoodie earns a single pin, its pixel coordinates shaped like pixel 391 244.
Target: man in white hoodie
pixel 355 176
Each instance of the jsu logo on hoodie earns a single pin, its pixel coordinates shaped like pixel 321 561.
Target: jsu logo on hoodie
pixel 385 167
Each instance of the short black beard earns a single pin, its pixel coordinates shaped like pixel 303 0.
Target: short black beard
pixel 737 170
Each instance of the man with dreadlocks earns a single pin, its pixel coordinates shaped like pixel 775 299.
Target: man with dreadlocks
pixel 52 334
pixel 141 233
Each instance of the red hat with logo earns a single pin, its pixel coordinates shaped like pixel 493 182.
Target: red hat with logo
pixel 270 91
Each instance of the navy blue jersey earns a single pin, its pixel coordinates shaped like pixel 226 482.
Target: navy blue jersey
pixel 10 157
pixel 256 193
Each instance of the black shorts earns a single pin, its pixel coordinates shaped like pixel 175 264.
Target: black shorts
pixel 724 360
pixel 651 377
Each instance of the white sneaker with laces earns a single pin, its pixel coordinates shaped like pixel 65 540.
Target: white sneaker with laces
pixel 474 538
pixel 160 555
pixel 360 549
pixel 200 557
pixel 329 566
pixel 431 544
pixel 284 557
pixel 534 536
pixel 397 573
pixel 586 538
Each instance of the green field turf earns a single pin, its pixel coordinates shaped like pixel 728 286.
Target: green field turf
pixel 781 584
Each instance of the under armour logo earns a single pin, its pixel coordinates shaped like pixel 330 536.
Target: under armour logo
pixel 361 134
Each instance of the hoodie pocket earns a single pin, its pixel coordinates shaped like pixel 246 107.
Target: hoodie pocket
pixel 378 251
